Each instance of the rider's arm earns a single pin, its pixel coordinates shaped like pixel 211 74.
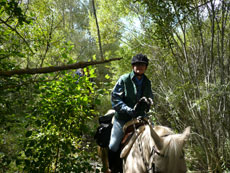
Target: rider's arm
pixel 117 99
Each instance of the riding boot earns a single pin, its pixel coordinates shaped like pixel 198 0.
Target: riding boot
pixel 115 162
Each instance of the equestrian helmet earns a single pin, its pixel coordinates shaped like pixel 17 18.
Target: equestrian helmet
pixel 140 58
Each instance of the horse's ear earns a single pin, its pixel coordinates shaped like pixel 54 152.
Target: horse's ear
pixel 157 139
pixel 186 133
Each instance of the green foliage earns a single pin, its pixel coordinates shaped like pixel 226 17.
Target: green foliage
pixel 57 124
pixel 166 17
pixel 16 97
pixel 11 11
pixel 109 14
pixel 39 118
pixel 11 15
pixel 49 111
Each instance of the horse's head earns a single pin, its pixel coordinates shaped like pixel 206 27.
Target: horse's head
pixel 169 156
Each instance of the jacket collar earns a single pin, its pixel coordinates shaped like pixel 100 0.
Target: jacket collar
pixel 132 75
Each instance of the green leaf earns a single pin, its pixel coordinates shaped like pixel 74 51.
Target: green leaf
pixel 64 55
pixel 107 76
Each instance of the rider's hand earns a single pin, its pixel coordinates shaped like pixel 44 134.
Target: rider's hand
pixel 143 106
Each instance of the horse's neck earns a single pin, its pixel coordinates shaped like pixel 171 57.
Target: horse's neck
pixel 147 141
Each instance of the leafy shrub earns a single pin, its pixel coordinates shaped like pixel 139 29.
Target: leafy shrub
pixel 57 124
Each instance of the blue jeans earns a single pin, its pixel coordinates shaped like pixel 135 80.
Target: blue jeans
pixel 116 134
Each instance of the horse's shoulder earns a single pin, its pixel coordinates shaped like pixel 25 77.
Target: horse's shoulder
pixel 162 130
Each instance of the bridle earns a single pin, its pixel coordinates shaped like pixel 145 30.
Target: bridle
pixel 150 167
pixel 154 151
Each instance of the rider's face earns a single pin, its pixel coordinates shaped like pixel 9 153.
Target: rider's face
pixel 139 68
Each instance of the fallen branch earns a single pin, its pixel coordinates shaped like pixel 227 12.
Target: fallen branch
pixel 54 68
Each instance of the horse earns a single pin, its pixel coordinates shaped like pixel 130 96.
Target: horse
pixel 155 149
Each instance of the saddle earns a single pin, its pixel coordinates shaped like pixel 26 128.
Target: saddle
pixel 131 130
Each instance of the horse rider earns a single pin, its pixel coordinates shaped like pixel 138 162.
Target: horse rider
pixel 126 93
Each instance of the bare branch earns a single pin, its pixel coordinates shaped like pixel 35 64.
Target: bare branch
pixel 98 31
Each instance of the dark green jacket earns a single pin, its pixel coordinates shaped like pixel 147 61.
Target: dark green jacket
pixel 124 95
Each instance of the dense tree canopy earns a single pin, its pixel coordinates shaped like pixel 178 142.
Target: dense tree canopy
pixel 47 111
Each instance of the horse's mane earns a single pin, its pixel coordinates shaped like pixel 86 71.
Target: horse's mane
pixel 173 144
pixel 163 131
